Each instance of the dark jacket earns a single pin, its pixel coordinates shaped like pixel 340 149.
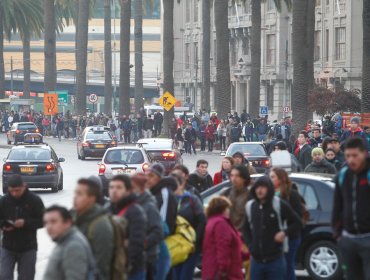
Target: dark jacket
pixel 304 156
pixel 190 135
pixel 350 134
pixel 354 194
pixel 136 232
pixel 322 167
pixel 166 201
pixel 260 236
pixel 96 226
pixel 238 198
pixel 148 124
pixel 30 208
pixel 201 183
pixel 154 235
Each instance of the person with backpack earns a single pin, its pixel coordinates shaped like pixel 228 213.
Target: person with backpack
pixel 235 132
pixel 284 189
pixel 71 258
pixel 191 209
pixel 265 232
pixel 124 203
pixel 351 210
pixel 92 220
pixel 154 234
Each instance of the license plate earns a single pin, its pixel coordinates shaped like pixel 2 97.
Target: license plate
pixel 122 171
pixel 28 169
pixel 32 138
pixel 100 146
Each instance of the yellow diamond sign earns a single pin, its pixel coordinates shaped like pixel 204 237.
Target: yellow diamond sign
pixel 167 101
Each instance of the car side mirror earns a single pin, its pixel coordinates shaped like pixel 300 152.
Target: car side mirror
pixel 61 160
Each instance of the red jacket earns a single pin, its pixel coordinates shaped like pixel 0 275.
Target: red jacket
pixel 221 250
pixel 210 130
pixel 217 179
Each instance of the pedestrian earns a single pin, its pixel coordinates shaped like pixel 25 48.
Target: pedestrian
pixel 21 213
pixel 235 132
pixel 350 215
pixel 60 127
pixel 154 234
pixel 222 246
pixel 93 222
pixel 210 136
pixel 284 189
pixel 124 203
pixel 221 132
pixel 333 143
pixel 239 159
pixel 353 131
pixel 200 178
pixel 303 150
pixel 148 127
pixel 224 173
pixel 367 135
pixel 319 163
pixel 316 140
pixel 191 209
pixel 71 258
pixel 265 216
pixel 158 121
pixel 45 126
pixel 202 136
pixel 183 171
pixel 190 136
pixel 180 138
pixel 126 127
pixel 248 131
pixel 331 158
pixel 262 130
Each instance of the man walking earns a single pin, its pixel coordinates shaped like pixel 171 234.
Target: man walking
pixel 21 213
pixel 351 212
pixel 201 179
pixel 303 151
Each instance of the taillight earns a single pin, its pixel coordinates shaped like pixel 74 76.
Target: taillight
pixel 145 167
pixel 17 131
pixel 49 167
pixel 86 144
pixel 7 167
pixel 113 144
pixel 102 169
pixel 168 155
pixel 266 162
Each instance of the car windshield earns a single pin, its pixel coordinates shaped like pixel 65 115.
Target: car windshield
pixel 30 154
pixel 254 150
pixel 26 126
pixel 126 156
pixel 101 135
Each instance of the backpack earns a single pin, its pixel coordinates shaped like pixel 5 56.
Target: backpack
pixel 276 205
pixel 182 243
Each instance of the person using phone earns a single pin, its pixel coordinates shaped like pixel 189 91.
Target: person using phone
pixel 21 214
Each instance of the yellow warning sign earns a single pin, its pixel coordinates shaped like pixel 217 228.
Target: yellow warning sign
pixel 167 101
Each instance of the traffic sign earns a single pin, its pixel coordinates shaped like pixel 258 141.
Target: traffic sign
pixel 264 110
pixel 286 109
pixel 50 104
pixel 167 101
pixel 62 97
pixel 93 98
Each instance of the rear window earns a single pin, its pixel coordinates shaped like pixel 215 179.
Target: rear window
pixel 26 126
pixel 254 150
pixel 30 154
pixel 101 135
pixel 124 157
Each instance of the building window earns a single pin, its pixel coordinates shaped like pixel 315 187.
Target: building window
pixel 196 10
pixel 270 49
pixel 270 5
pixel 245 45
pixel 340 43
pixel 327 45
pixel 317 43
pixel 187 55
pixel 247 7
pixel 196 54
pixel 187 10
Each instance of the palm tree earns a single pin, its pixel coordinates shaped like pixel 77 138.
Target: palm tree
pixel 107 57
pixel 365 100
pixel 223 90
pixel 81 54
pixel 168 57
pixel 50 62
pixel 206 53
pixel 124 83
pixel 139 87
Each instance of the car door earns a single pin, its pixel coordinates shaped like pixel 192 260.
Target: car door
pixel 80 139
pixel 56 162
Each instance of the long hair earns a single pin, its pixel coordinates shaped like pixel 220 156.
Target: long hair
pixel 286 183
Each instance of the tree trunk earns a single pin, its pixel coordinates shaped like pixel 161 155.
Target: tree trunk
pixel 300 82
pixel 168 58
pixel 139 87
pixel 81 55
pixel 206 53
pixel 124 81
pixel 310 49
pixel 50 64
pixel 365 100
pixel 107 58
pixel 255 81
pixel 2 67
pixel 26 40
pixel 223 90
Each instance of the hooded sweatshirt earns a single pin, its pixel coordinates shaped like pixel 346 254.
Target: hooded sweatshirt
pixel 260 235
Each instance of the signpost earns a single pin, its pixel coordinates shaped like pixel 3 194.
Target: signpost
pixel 167 101
pixel 286 109
pixel 50 104
pixel 264 110
pixel 93 98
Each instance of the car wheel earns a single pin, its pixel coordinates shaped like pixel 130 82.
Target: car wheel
pixel 60 186
pixel 323 261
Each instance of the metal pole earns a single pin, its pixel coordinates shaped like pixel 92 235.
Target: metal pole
pixel 11 76
pixel 115 59
pixel 196 85
pixel 285 78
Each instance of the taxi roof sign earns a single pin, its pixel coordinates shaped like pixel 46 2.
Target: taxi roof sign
pixel 167 101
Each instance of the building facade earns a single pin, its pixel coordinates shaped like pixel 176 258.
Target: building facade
pixel 338 51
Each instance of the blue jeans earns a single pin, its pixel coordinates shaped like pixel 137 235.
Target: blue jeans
pixel 25 261
pixel 274 270
pixel 262 137
pixel 182 271
pixel 290 258
pixel 138 276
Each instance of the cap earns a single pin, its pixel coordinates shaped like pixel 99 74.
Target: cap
pixel 355 120
pixel 158 169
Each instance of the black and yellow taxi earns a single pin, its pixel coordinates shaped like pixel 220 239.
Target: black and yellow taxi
pixel 36 162
pixel 19 130
pixel 94 141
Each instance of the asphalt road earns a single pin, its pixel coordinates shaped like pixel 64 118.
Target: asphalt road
pixel 75 169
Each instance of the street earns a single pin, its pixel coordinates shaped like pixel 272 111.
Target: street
pixel 73 170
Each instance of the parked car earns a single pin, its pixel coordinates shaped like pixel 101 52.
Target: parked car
pixel 318 253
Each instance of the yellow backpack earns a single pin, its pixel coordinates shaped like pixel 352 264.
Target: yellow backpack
pixel 182 243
